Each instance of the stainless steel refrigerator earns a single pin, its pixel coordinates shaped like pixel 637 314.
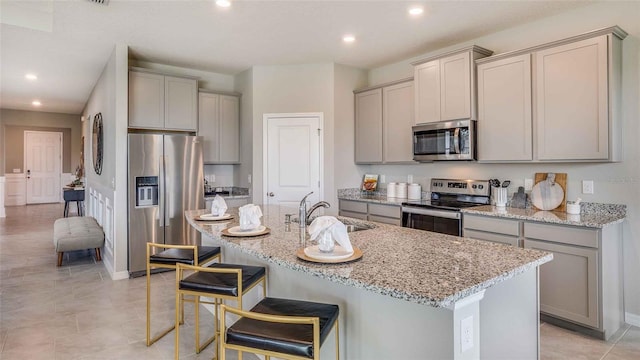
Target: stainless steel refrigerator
pixel 165 179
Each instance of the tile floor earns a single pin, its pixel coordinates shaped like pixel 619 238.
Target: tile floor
pixel 77 312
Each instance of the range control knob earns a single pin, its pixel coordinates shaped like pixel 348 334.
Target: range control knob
pixel 475 186
pixel 480 186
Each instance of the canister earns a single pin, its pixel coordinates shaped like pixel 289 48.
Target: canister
pixel 401 190
pixel 415 192
pixel 392 190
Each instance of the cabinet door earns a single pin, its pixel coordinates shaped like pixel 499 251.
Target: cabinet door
pixel 398 117
pixel 455 87
pixel 368 127
pixel 208 126
pixel 572 101
pixel 504 110
pixel 229 129
pixel 181 103
pixel 146 100
pixel 427 92
pixel 569 283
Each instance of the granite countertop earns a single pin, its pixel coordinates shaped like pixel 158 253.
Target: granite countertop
pixel 379 197
pixel 592 215
pixel 414 265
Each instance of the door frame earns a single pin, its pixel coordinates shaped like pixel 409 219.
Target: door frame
pixel 265 143
pixel 24 160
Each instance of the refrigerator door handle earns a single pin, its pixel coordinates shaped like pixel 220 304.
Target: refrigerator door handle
pixel 161 191
pixel 168 211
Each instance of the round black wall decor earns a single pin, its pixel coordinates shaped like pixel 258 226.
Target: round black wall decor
pixel 97 143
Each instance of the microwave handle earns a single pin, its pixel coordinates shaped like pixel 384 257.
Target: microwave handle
pixel 456 141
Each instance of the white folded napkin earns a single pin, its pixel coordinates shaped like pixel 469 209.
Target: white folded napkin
pixel 337 229
pixel 250 215
pixel 218 206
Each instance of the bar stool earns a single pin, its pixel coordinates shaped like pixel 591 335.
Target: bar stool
pixel 284 328
pixel 167 259
pixel 218 281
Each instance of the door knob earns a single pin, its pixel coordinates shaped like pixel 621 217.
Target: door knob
pixel 271 194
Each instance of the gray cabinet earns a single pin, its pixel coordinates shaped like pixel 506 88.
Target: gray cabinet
pixel 491 229
pixel 446 85
pixel 504 110
pixel 162 102
pixel 219 124
pixel 383 213
pixel 583 283
pixel 383 121
pixel 573 111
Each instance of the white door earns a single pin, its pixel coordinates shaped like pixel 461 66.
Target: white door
pixel 43 166
pixel 292 158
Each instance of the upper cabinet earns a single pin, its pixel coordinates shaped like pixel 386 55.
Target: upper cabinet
pixel 219 125
pixel 383 120
pixel 504 110
pixel 162 102
pixel 445 85
pixel 568 91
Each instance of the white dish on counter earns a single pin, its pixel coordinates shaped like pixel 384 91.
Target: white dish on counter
pixel 236 230
pixel 338 253
pixel 215 217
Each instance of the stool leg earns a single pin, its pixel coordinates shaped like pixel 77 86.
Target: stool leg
pixel 66 209
pixel 337 341
pixel 78 206
pixel 98 257
pixel 60 254
pixel 148 302
pixel 196 303
pixel 178 304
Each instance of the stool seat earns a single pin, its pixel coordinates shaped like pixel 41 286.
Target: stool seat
pixel 184 256
pixel 222 283
pixel 293 339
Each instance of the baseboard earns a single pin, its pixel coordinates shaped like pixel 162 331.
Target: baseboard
pixel 632 319
pixel 115 275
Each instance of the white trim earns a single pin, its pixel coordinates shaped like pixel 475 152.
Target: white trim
pixel 2 212
pixel 24 158
pixel 632 319
pixel 265 127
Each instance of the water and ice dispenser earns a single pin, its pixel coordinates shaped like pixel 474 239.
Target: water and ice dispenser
pixel 146 191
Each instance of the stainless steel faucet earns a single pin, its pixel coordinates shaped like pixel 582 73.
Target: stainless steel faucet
pixel 303 214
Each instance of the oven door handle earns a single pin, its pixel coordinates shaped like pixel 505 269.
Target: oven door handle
pixel 432 212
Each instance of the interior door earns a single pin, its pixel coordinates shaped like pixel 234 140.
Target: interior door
pixel 43 166
pixel 292 166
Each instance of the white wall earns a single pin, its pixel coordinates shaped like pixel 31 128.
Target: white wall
pixel 292 89
pixel 614 183
pixel 107 192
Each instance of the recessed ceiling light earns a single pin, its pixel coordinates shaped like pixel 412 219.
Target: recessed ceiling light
pixel 349 38
pixel 31 77
pixel 416 11
pixel 36 103
pixel 223 3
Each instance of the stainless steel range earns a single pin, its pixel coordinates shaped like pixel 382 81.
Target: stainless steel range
pixel 441 213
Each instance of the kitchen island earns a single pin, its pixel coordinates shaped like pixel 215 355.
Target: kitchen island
pixel 413 295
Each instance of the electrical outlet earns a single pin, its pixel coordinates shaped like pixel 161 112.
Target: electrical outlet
pixel 410 179
pixel 528 184
pixel 382 179
pixel 249 178
pixel 466 334
pixel 587 186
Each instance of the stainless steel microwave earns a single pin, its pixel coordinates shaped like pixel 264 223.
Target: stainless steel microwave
pixel 446 140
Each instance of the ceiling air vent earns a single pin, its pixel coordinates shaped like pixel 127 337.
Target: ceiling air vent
pixel 101 2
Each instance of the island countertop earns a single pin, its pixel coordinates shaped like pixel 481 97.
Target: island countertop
pixel 414 265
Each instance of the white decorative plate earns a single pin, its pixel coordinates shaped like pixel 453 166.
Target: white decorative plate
pixel 237 231
pixel 338 253
pixel 214 217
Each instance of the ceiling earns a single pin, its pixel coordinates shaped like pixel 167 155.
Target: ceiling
pixel 67 43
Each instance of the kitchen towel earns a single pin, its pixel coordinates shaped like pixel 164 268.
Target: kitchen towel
pixel 218 206
pixel 250 215
pixel 336 228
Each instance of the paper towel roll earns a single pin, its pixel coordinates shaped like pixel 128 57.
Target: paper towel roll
pixel 401 190
pixel 391 190
pixel 415 192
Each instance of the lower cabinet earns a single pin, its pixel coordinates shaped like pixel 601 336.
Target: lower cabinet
pixel 231 202
pixel 382 213
pixel 491 229
pixel 581 288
